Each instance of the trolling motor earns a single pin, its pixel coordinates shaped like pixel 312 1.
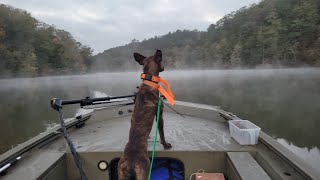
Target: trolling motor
pixel 57 104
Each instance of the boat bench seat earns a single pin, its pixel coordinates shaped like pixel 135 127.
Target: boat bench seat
pixel 241 165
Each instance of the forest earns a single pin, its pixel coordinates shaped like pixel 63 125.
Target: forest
pixel 270 34
pixel 29 47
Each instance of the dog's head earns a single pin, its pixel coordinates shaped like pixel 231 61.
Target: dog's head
pixel 151 65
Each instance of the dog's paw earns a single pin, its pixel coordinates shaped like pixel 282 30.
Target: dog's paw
pixel 167 145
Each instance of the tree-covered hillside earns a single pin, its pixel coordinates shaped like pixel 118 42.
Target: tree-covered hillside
pixel 31 48
pixel 280 33
pixel 276 33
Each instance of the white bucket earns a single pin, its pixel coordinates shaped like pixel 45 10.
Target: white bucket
pixel 244 132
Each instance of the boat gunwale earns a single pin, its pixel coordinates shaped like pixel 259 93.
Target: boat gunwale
pixel 43 137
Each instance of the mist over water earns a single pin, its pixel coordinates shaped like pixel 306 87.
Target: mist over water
pixel 283 102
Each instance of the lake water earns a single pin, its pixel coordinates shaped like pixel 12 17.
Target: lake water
pixel 285 103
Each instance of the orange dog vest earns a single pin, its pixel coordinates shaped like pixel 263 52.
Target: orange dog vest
pixel 153 81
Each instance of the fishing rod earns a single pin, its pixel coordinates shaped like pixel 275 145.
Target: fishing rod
pixel 12 162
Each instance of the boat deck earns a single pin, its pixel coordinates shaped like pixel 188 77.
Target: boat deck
pixel 202 132
pixel 184 133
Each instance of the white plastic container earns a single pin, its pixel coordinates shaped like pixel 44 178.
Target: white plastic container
pixel 244 132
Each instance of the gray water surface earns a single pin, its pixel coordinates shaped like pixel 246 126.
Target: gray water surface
pixel 285 103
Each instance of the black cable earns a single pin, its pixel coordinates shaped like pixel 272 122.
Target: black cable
pixel 72 149
pixel 170 106
pixel 174 110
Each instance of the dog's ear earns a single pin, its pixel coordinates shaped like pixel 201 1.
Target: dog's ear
pixel 158 55
pixel 139 58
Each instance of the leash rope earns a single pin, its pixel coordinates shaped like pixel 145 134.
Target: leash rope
pixel 155 137
pixel 71 146
pixel 169 106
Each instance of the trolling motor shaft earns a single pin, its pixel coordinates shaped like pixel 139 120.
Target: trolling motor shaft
pixel 57 103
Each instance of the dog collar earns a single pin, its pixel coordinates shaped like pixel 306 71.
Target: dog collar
pixel 153 82
pixel 149 77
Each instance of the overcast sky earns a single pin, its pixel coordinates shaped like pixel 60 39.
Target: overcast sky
pixel 103 24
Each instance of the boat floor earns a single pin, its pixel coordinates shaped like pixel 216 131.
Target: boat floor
pixel 185 134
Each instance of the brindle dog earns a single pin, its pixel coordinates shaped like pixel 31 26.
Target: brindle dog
pixel 134 164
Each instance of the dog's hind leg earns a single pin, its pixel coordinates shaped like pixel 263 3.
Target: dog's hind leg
pixel 123 173
pixel 141 169
pixel 161 131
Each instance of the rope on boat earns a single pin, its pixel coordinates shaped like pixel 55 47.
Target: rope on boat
pixel 169 106
pixel 155 137
pixel 199 171
pixel 71 146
